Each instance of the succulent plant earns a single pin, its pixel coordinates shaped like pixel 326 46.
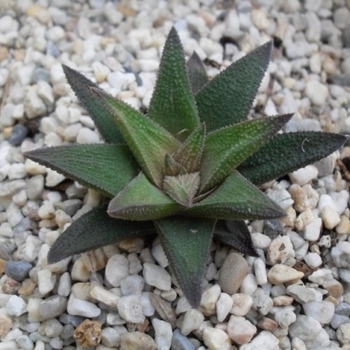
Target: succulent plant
pixel 188 170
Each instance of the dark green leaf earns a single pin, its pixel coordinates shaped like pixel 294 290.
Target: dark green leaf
pixel 196 72
pixel 101 117
pixel 105 168
pixel 228 147
pixel 236 199
pixel 186 243
pixel 148 141
pixel 172 105
pixel 227 98
pixel 93 230
pixel 288 152
pixel 236 235
pixel 140 200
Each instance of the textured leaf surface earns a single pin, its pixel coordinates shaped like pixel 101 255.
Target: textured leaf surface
pixel 196 72
pixel 93 230
pixel 236 235
pixel 227 98
pixel 147 140
pixel 226 148
pixel 190 153
pixel 105 168
pixel 172 105
pixel 100 115
pixel 186 243
pixel 236 199
pixel 289 152
pixel 140 200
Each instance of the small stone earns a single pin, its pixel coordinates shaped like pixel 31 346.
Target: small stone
pixel 16 306
pixel 343 228
pixel 163 333
pixel 281 274
pixel 159 255
pixel 249 284
pixel 163 308
pixel 18 134
pixel 316 92
pixel 180 342
pixel 267 324
pixel 285 317
pixel 330 217
pixel 136 341
pixel 312 230
pixel 223 306
pixel 132 285
pixel 130 309
pixel 240 330
pixel 209 299
pixel 265 340
pixel 343 334
pixel 262 302
pixel 242 303
pixel 260 19
pixel 260 271
pixel 117 269
pixel 232 273
pixel 156 276
pixel 52 306
pixel 104 296
pixel 321 311
pixel 85 135
pixel 88 333
pixel 280 250
pixel 216 339
pixel 341 254
pixel 46 281
pixel 5 324
pixel 313 260
pixel 192 320
pixel 303 176
pixel 18 270
pixel 77 307
pixel 34 106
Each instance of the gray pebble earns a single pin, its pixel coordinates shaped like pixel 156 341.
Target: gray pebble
pixel 180 342
pixel 18 134
pixel 18 270
pixel 338 320
pixel 24 342
pixel 70 206
pixel 7 247
pixel 343 309
pixel 41 74
pixel 52 306
pixel 273 228
pixel 340 79
pixel 71 319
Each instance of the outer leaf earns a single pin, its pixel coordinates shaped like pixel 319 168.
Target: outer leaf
pixel 93 230
pixel 172 105
pixel 105 168
pixel 186 243
pixel 140 200
pixel 190 153
pixel 228 98
pixel 236 199
pixel 236 235
pixel 147 140
pixel 100 115
pixel 289 152
pixel 196 72
pixel 226 148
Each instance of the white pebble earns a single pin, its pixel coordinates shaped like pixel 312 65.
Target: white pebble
pixel 46 281
pixel 216 339
pixel 156 276
pixel 313 260
pixel 304 175
pixel 260 271
pixel 77 307
pixel 223 306
pixel 159 255
pixel 240 330
pixel 163 334
pixel 264 340
pixel 241 305
pixel 16 306
pixel 85 135
pixel 321 311
pixel 316 92
pixel 117 269
pixel 312 230
pixel 34 106
pixel 192 320
pixel 130 309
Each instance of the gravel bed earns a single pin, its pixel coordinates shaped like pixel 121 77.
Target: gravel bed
pixel 295 295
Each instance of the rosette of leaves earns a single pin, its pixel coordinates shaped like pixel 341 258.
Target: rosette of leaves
pixel 187 170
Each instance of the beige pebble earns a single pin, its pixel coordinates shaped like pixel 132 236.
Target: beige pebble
pixel 242 303
pixel 27 288
pixel 290 217
pixel 4 53
pixel 88 333
pixel 280 250
pixel 304 219
pixel 216 339
pixel 94 260
pixel 209 298
pixel 343 228
pixel 330 217
pixel 268 324
pixel 282 300
pixel 334 288
pixel 134 245
pixel 79 271
pixel 5 324
pixel 39 12
pixel 240 330
pixel 279 274
pixel 104 296
pixel 299 197
pixel 232 273
pixel 136 341
pixel 329 65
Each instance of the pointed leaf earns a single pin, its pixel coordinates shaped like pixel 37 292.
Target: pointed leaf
pixel 140 200
pixel 190 153
pixel 172 167
pixel 105 168
pixel 93 230
pixel 196 72
pixel 288 152
pixel 236 235
pixel 226 148
pixel 182 188
pixel 172 105
pixel 228 98
pixel 99 114
pixel 147 140
pixel 236 199
pixel 186 243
